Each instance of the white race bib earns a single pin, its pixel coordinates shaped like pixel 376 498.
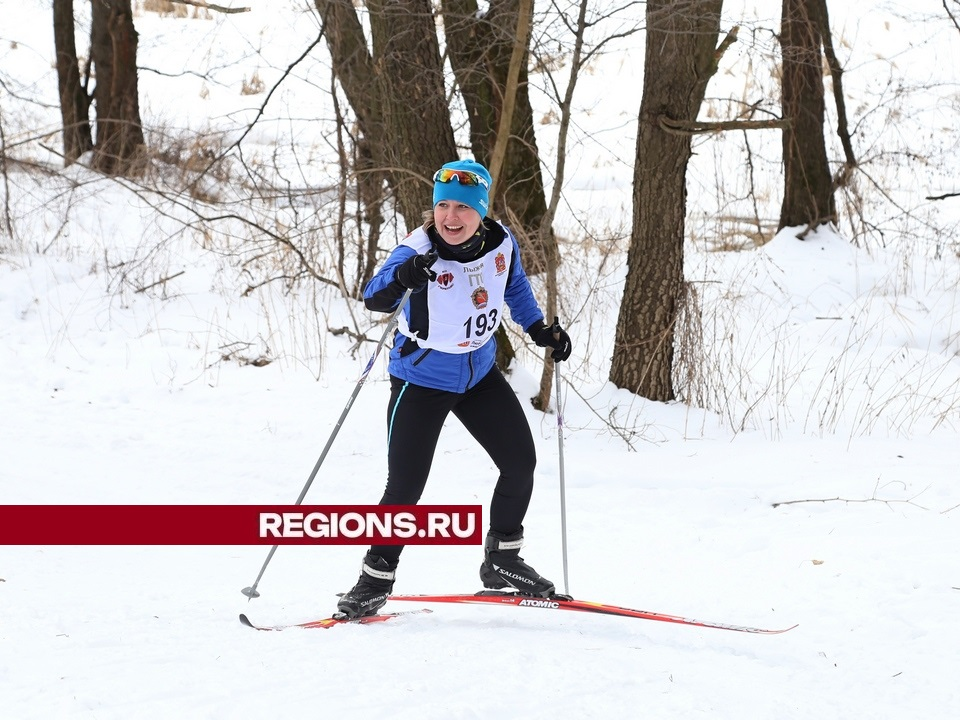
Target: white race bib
pixel 465 302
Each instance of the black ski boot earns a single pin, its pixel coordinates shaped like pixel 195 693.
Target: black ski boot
pixel 504 569
pixel 372 589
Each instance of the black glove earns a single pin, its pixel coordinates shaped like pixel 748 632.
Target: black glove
pixel 554 337
pixel 415 272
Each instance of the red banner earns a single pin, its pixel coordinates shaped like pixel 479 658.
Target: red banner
pixel 240 525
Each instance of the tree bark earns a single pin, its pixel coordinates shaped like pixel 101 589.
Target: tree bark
pixel 352 63
pixel 808 187
pixel 119 148
pixel 409 73
pixel 74 102
pixel 680 58
pixel 480 46
pixel 397 92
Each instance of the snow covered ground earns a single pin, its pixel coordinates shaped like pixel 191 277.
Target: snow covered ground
pixel 825 494
pixel 685 525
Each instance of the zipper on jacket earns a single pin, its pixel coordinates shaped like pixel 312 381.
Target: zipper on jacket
pixel 422 356
pixel 470 366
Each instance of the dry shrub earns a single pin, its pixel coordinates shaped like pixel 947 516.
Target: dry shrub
pixel 253 86
pixel 183 159
pixel 164 8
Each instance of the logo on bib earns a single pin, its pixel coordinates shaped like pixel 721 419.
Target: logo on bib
pixel 445 280
pixel 501 262
pixel 480 298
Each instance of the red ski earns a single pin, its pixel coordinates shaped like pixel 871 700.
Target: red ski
pixel 335 620
pixel 555 603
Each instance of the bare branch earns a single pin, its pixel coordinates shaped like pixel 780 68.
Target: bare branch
pixel 595 50
pixel 729 40
pixel 161 281
pixel 694 127
pixel 358 337
pixel 236 143
pixel 210 6
pixel 951 15
pixel 873 498
pixel 942 197
pixel 846 500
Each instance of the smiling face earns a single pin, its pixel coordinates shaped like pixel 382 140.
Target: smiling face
pixel 455 221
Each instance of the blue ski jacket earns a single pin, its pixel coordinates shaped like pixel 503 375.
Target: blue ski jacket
pixel 444 338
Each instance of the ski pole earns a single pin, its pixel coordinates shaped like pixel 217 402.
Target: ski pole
pixel 563 494
pixel 251 592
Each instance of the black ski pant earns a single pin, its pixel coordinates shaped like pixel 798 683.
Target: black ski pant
pixel 491 413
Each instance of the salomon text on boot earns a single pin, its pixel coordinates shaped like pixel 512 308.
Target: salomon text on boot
pixel 372 589
pixel 504 569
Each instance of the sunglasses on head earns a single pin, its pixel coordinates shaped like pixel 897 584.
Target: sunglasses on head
pixel 464 177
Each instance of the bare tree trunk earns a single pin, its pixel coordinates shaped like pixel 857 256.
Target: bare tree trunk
pixel 353 70
pixel 396 91
pixel 113 48
pixel 481 47
pixel 409 74
pixel 808 187
pixel 371 183
pixel 352 63
pixel 74 102
pixel 680 58
pixel 485 55
pixel 518 59
pixel 836 74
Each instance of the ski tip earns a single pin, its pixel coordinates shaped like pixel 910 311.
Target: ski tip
pixel 757 630
pixel 244 620
pixel 777 632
